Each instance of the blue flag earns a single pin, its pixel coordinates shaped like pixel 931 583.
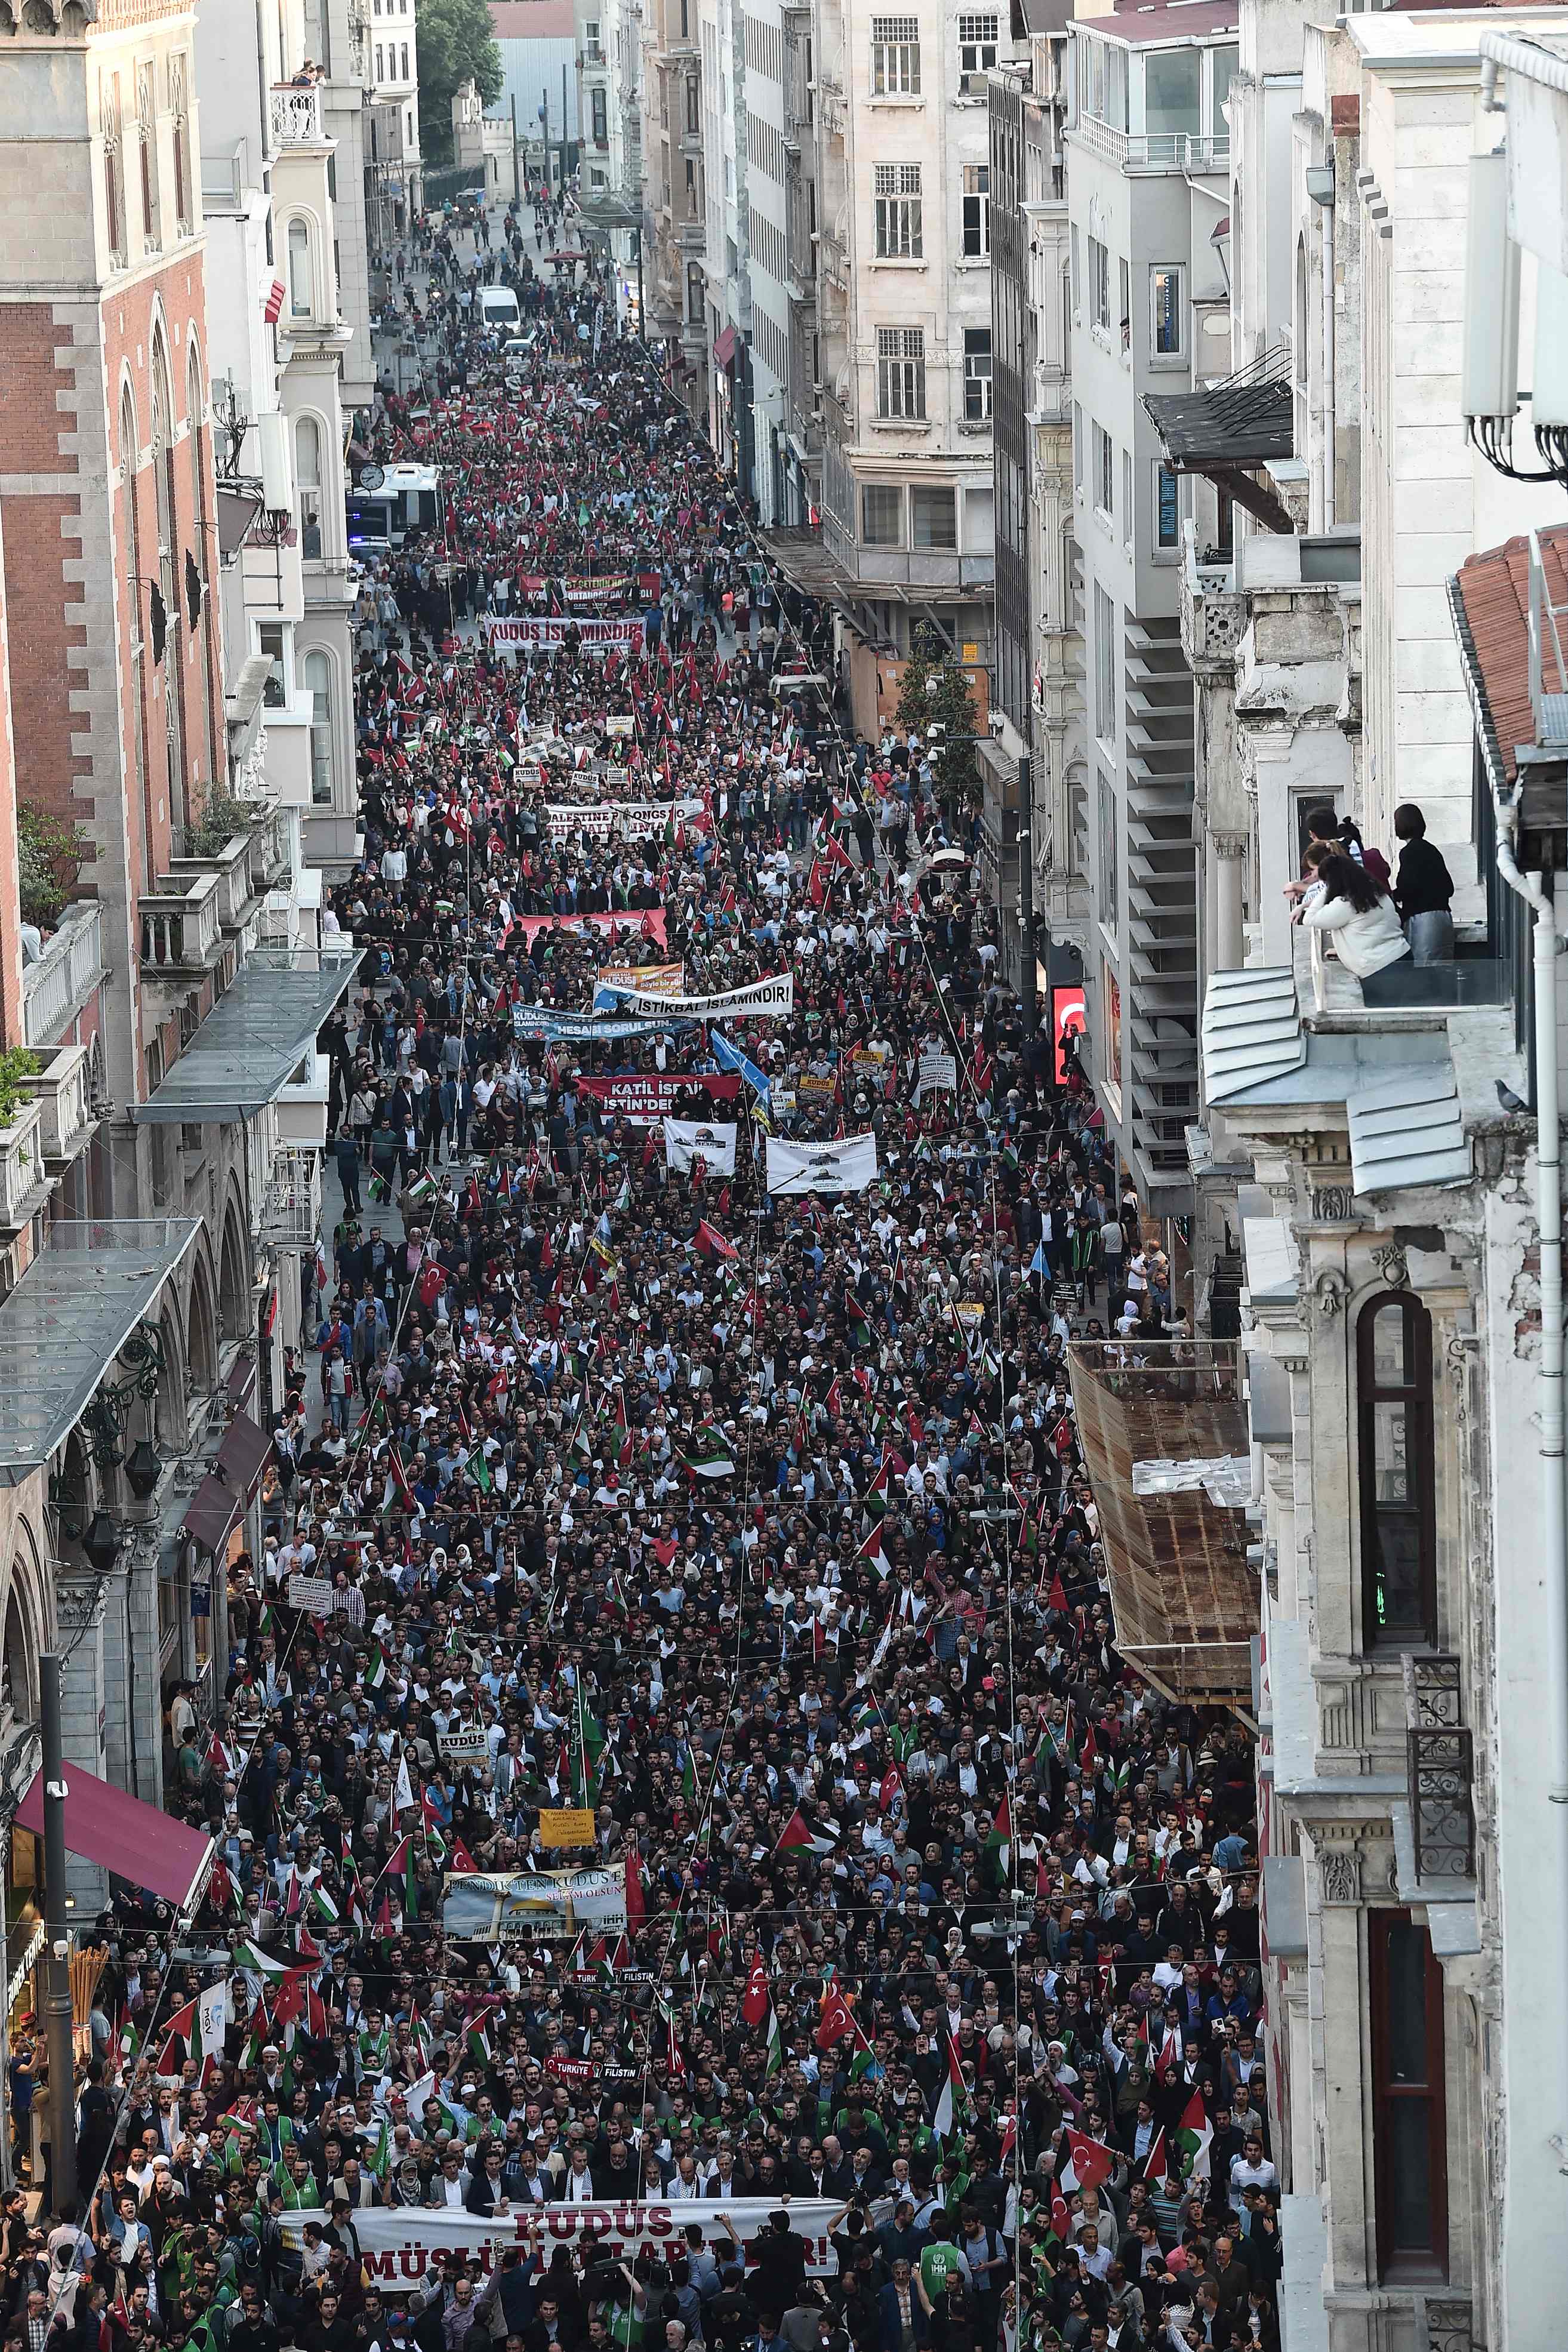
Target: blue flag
pixel 730 1057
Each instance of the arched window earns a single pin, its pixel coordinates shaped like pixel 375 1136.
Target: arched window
pixel 135 609
pixel 307 481
pixel 1398 1514
pixel 301 272
pixel 316 677
pixel 147 153
pixel 113 169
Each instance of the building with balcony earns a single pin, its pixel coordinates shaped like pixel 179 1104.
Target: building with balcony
pixel 902 324
pixel 282 573
pixel 394 174
pixel 1366 1216
pixel 1147 149
pixel 674 223
pixel 337 40
pixel 1037 645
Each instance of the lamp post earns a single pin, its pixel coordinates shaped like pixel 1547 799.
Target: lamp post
pixel 57 1944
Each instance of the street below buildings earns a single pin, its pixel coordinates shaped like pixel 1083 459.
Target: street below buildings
pixel 680 1494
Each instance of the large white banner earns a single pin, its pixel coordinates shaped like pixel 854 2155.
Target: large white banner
pixel 847 1166
pixel 635 820
pixel 399 2243
pixel 686 1139
pixel 759 1000
pixel 500 1906
pixel 549 630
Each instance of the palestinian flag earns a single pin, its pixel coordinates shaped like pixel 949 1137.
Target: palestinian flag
pixel 320 1901
pixel 258 1963
pixel 875 1496
pixel 689 1785
pixel 377 1671
pixel 586 1749
pixel 999 1843
pixel 872 1552
pixel 796 1834
pixel 1192 2135
pixel 709 1454
pixel 954 2106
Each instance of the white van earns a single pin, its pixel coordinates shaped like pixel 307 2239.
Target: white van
pixel 499 308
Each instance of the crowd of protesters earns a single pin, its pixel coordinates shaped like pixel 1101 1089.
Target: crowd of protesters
pixel 755 1525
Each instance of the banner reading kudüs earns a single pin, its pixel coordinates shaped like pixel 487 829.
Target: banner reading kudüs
pixel 546 632
pixel 760 1000
pixel 487 1907
pixel 401 2243
pixel 647 1097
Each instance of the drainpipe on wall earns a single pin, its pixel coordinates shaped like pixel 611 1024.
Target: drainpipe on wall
pixel 1549 1383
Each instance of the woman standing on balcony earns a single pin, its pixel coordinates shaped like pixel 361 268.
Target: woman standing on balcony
pixel 1360 915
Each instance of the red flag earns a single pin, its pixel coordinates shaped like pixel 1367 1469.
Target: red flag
pixel 892 1781
pixel 795 1833
pixel 1156 2163
pixel 460 1859
pixel 836 2020
pixel 636 1908
pixel 1092 2160
pixel 1061 2220
pixel 711 1243
pixel 757 2001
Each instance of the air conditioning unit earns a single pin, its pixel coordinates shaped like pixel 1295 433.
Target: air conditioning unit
pixel 972 85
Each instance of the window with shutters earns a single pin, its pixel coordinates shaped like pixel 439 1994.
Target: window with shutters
pixel 900 234
pixel 895 56
pixel 901 373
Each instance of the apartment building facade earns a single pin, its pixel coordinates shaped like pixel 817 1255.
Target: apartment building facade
pixel 898 329
pixel 1147 163
pixel 1037 657
pixel 1367 1231
pixel 170 1005
pixel 673 200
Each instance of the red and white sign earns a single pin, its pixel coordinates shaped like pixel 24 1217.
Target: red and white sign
pixel 647 1097
pixel 545 632
pixel 1067 1019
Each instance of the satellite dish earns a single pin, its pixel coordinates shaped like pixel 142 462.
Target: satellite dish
pixel 370 477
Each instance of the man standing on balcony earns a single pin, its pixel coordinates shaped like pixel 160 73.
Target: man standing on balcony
pixel 1424 890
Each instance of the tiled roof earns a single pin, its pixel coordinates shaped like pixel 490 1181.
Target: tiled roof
pixel 1489 600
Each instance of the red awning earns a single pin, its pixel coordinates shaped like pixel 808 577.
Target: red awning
pixel 230 1488
pixel 724 347
pixel 120 1834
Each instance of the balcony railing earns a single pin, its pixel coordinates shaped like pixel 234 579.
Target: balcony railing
pixel 60 1089
pixel 1154 151
pixel 56 987
pixel 180 929
pixel 1442 1769
pixel 295 116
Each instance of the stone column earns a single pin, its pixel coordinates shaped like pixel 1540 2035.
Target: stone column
pixel 81 1601
pixel 1230 874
